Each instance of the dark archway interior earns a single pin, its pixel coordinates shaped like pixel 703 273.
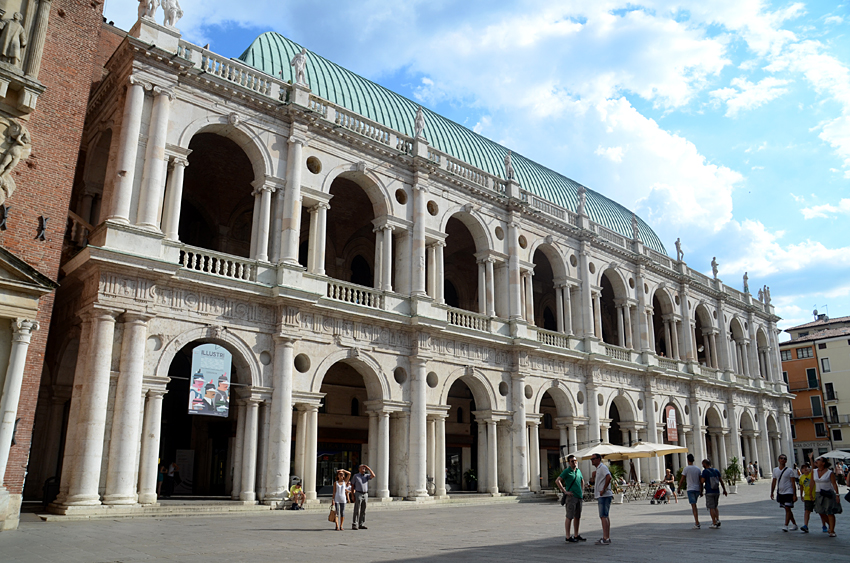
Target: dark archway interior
pixel 615 435
pixel 349 224
pixel 608 312
pixel 217 209
pixel 461 433
pixel 702 351
pixel 461 266
pixel 544 292
pixel 361 273
pixel 658 328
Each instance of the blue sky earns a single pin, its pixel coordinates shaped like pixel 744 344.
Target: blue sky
pixel 725 123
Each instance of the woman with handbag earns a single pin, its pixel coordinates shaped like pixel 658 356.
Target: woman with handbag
pixel 827 501
pixel 341 489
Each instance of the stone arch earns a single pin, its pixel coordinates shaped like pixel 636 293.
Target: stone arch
pixel 374 188
pixel 680 411
pixel 364 364
pixel 614 290
pixel 481 387
pixel 713 417
pixel 746 421
pixel 474 221
pixel 625 405
pixel 560 268
pixel 241 134
pixel 665 300
pixel 564 401
pixel 248 369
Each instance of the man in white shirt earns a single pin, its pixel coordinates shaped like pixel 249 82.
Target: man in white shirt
pixel 604 495
pixel 784 482
pixel 692 474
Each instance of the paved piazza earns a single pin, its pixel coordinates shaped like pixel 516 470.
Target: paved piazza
pixel 515 532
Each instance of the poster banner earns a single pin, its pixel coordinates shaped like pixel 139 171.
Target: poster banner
pixel 209 384
pixel 672 431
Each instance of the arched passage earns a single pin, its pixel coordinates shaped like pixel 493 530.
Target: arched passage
pixel 462 284
pixel 714 439
pixel 615 311
pixel 748 439
pixel 671 424
pixel 548 305
pixel 739 346
pixel 763 345
pixel 556 437
pixel 664 325
pixel 705 337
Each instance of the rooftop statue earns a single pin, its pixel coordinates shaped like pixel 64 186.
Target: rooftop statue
pixel 509 168
pixel 679 254
pixel 148 8
pixel 582 200
pixel 419 125
pixel 635 229
pixel 746 283
pixel 173 12
pixel 714 267
pixel 299 61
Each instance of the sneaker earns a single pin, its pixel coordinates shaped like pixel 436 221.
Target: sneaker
pixel 572 540
pixel 718 523
pixel 784 528
pixel 696 526
pixel 804 529
pixel 354 527
pixel 362 527
pixel 793 528
pixel 579 538
pixel 825 530
pixel 713 527
pixel 603 542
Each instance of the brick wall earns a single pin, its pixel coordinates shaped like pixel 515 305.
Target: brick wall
pixel 45 180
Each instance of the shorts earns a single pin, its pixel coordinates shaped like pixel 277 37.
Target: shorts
pixel 711 500
pixel 573 507
pixel 604 506
pixel 693 497
pixel 340 509
pixel 785 501
pixel 809 505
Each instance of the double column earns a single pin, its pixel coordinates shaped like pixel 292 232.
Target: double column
pixel 436 272
pixel 318 238
pixel 383 257
pixel 153 173
pixel 519 435
pixel 174 198
pixel 280 423
pixel 671 336
pixel 262 220
pixel 534 454
pixel 420 193
pixel 528 292
pixel 514 278
pixel 149 454
pixel 624 323
pixel 22 330
pixel 486 291
pixel 128 148
pixel 291 219
pixel 564 308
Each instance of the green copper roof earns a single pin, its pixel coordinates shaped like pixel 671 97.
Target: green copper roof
pixel 271 53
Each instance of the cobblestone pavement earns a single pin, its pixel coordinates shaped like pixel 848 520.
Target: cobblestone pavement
pixel 513 532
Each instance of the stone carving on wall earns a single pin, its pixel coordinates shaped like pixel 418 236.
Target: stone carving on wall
pixel 361 332
pixel 13 39
pixel 172 11
pixel 619 378
pixel 299 61
pixel 16 146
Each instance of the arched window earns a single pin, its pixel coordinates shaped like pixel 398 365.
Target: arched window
pixel 355 407
pixel 459 414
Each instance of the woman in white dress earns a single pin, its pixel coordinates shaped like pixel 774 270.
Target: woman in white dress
pixel 340 496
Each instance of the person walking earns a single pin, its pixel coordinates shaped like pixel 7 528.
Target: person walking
pixel 711 483
pixel 691 476
pixel 784 485
pixel 361 495
pixel 604 495
pixel 340 496
pixel 570 483
pixel 827 500
pixel 807 493
pixel 670 483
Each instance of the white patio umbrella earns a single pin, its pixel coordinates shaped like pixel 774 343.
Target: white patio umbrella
pixel 659 450
pixel 611 452
pixel 835 454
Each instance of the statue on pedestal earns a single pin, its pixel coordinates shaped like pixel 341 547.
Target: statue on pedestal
pixel 746 283
pixel 509 167
pixel 299 61
pixel 635 229
pixel 13 39
pixel 147 8
pixel 419 125
pixel 679 254
pixel 714 267
pixel 172 11
pixel 582 200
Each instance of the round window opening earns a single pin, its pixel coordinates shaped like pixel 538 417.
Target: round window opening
pixel 529 392
pixel 523 243
pixel 640 404
pixel 592 268
pixel 573 261
pixel 500 233
pixel 632 283
pixel 431 379
pixel 600 400
pixel 302 362
pixel 677 300
pixel 687 410
pixel 401 196
pixel 399 375
pixel 432 208
pixel 314 165
pixel 580 398
pixel 265 358
pixel 503 389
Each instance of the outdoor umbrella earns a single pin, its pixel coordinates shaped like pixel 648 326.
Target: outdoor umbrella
pixel 659 450
pixel 835 454
pixel 609 451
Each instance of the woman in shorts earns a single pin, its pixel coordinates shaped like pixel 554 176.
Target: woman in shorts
pixel 827 500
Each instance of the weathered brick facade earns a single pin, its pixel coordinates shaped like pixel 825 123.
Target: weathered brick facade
pixel 44 185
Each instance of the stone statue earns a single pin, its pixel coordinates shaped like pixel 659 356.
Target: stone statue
pixel 298 63
pixel 172 11
pixel 419 125
pixel 766 295
pixel 761 295
pixel 714 267
pixel 509 168
pixel 635 229
pixel 18 139
pixel 746 283
pixel 582 200
pixel 13 39
pixel 147 8
pixel 679 254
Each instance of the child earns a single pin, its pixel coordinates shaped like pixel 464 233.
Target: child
pixel 807 493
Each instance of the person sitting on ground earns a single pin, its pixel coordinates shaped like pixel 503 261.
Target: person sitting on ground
pixel 297 496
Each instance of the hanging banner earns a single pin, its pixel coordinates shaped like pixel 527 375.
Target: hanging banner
pixel 209 391
pixel 672 431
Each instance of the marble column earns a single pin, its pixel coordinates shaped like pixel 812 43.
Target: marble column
pixel 300 440
pixel 518 433
pixel 431 448
pixel 420 194
pixel 492 459
pixel 291 221
pixel 280 422
pixel 651 430
pixel 128 149
pixel 378 274
pixel 481 429
pixel 387 261
pixel 439 295
pixel 372 444
pixel 440 477
pixel 491 288
pixel 432 271
pixel 722 458
pixel 621 332
pixel 383 476
pixel 594 435
pixel 149 455
pixel 22 330
pixel 627 313
pixel 482 288
pixel 559 308
pixel 85 479
pixel 514 280
pixel 572 435
pixel 152 188
pixel 597 315
pixel 568 310
pixel 534 456
pixel 174 199
pixel 311 451
pixel 418 429
pixel 249 451
pixel 264 221
pixel 35 48
pixel 529 297
pixel 318 238
pixel 674 329
pixel 121 468
pixel 238 450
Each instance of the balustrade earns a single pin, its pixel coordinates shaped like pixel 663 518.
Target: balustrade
pixel 361 126
pixel 617 353
pixel 551 338
pixel 77 230
pixel 356 294
pixel 667 363
pixel 465 319
pixel 218 264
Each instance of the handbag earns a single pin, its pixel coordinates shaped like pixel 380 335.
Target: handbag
pixel 332 515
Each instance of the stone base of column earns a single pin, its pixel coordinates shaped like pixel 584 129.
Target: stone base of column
pixel 387 498
pixel 120 500
pixel 10 510
pixel 148 499
pixel 424 498
pixel 522 492
pixel 494 494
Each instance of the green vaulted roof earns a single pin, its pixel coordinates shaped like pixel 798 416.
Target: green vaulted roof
pixel 271 53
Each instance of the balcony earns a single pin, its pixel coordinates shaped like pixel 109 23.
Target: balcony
pixel 806 413
pixel 838 419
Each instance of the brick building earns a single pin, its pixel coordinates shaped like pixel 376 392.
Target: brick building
pixel 45 79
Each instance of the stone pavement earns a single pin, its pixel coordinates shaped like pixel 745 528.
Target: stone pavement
pixel 501 532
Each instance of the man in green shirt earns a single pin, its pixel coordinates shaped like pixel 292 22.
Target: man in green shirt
pixel 570 483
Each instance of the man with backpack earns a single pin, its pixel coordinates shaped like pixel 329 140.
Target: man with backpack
pixel 711 482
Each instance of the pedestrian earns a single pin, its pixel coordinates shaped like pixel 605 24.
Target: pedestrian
pixel 786 492
pixel 691 475
pixel 602 491
pixel 172 478
pixel 807 493
pixel 711 483
pixel 296 494
pixel 839 473
pixel 670 483
pixel 361 495
pixel 570 481
pixel 160 479
pixel 340 499
pixel 751 480
pixel 756 471
pixel 827 500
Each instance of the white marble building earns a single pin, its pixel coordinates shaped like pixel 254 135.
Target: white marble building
pixel 388 290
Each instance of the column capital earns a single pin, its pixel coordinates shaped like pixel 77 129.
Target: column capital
pixel 321 205
pixel 298 139
pixel 136 80
pixel 163 91
pixel 154 393
pixel 135 317
pixel 23 328
pixel 179 161
pixel 287 341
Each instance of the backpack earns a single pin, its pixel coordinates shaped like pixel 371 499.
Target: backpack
pixel 714 480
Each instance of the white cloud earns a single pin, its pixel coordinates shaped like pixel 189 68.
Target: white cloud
pixel 825 210
pixel 614 154
pixel 745 95
pixel 836 20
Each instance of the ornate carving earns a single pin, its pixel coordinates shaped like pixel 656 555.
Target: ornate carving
pixel 172 12
pixel 419 125
pixel 147 8
pixel 13 39
pixel 16 146
pixel 299 61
